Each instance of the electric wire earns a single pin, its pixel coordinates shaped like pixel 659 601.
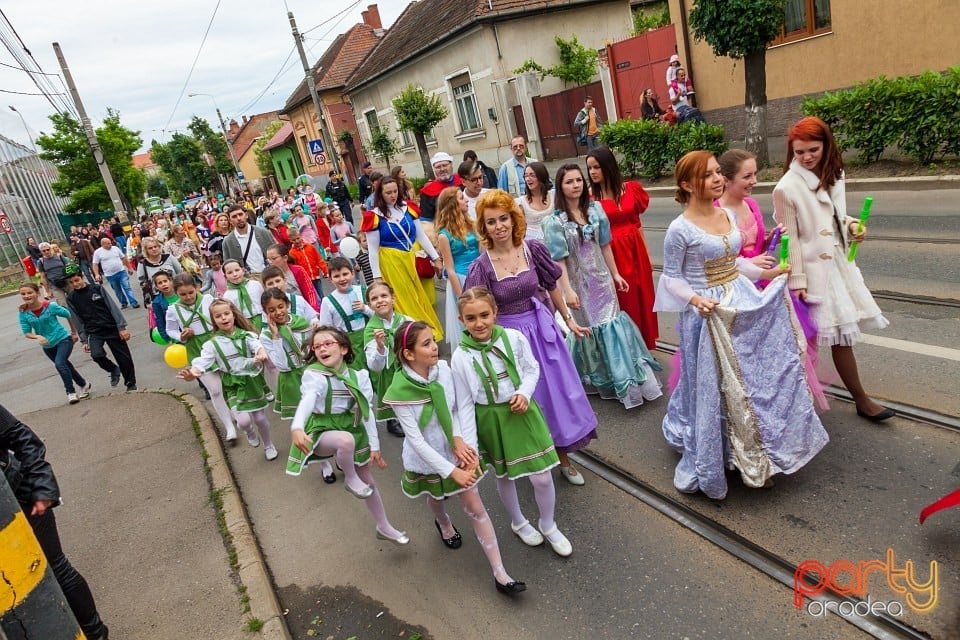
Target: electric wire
pixel 339 13
pixel 29 93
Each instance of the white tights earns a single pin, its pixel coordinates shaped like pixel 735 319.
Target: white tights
pixel 482 528
pixel 263 426
pixel 212 382
pixel 544 493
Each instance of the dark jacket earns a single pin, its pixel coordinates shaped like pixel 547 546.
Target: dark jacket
pixel 22 460
pixel 94 312
pixel 489 176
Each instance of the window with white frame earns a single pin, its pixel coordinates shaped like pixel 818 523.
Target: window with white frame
pixel 465 101
pixel 373 122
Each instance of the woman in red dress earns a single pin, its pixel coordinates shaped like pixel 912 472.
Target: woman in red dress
pixel 623 202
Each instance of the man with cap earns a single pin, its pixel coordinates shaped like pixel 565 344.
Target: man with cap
pixel 337 191
pixel 364 182
pixel 443 177
pixel 510 178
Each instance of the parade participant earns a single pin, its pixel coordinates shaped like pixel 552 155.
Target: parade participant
pixel 214 282
pixel 100 323
pixel 307 226
pixel 443 177
pixel 624 203
pixel 810 202
pixel 735 404
pixel 514 271
pixel 166 296
pixel 363 260
pixel 471 174
pixel 188 322
pixel 537 202
pixel 307 256
pixel 33 483
pixel 235 354
pixel 495 373
pixel 399 174
pixel 739 169
pixel 458 247
pixel 339 228
pixel 298 280
pixel 344 308
pixel 244 292
pixel 273 278
pixel 111 263
pixel 221 229
pixel 38 321
pixel 394 234
pixel 613 359
pixel 281 234
pixel 378 338
pixel 202 231
pixel 440 456
pixel 246 244
pixel 152 260
pixel 510 176
pixel 334 419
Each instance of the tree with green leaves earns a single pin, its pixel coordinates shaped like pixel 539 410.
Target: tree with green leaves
pixel 419 113
pixel 213 144
pixel 742 29
pixel 577 66
pixel 182 163
pixel 157 187
pixel 264 159
pixel 78 178
pixel 383 145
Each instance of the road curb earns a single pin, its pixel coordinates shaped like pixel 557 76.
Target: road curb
pixel 907 183
pixel 252 571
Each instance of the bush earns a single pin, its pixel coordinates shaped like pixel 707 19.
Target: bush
pixel 919 115
pixel 649 147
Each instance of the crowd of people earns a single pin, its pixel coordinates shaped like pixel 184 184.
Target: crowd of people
pixel 550 299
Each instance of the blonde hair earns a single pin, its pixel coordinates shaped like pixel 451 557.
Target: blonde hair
pixel 238 318
pixel 449 216
pixel 500 199
pixel 474 294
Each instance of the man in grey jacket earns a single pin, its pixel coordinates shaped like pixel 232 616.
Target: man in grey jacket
pixel 246 243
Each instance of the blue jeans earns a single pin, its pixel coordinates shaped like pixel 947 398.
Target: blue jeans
pixel 59 354
pixel 120 282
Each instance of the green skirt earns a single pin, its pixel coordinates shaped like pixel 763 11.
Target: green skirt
pixel 257 322
pixel 287 395
pixel 381 382
pixel 319 423
pixel 244 393
pixel 195 346
pixel 359 357
pixel 514 444
pixel 416 484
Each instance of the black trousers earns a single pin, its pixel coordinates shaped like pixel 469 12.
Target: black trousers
pixel 120 351
pixel 73 585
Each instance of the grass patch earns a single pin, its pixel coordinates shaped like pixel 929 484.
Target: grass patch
pixel 254 624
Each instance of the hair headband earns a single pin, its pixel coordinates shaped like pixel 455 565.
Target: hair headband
pixel 405 332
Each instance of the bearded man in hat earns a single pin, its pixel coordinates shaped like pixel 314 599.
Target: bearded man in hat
pixel 443 177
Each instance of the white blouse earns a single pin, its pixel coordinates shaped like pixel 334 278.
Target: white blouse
pixel 329 315
pixel 175 323
pixel 534 218
pixel 304 310
pixel 377 361
pixel 209 359
pixel 278 349
pixel 313 399
pixel 255 289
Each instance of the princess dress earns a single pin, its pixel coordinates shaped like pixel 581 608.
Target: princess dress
pixel 742 400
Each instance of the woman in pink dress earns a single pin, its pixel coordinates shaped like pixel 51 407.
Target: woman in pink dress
pixel 623 202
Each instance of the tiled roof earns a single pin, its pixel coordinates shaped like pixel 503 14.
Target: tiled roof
pixel 427 23
pixel 248 133
pixel 143 160
pixel 337 63
pixel 280 137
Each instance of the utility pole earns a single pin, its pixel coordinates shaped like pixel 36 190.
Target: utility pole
pixel 91 138
pixel 312 85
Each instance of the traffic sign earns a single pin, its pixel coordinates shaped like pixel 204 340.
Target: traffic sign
pixel 319 159
pixel 240 176
pixel 316 146
pixel 5 223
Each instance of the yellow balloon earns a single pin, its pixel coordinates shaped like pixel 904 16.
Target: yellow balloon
pixel 176 356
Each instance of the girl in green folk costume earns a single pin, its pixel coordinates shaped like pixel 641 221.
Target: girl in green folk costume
pixel 245 293
pixel 334 418
pixel 286 338
pixel 378 337
pixel 235 351
pixel 495 373
pixel 439 452
pixel 188 321
pixel 344 308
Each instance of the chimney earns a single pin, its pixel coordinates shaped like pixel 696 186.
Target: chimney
pixel 244 120
pixel 371 17
pixel 232 129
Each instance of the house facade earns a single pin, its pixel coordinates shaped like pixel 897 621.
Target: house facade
pixel 243 136
pixel 466 53
pixel 330 73
pixel 283 150
pixel 827 45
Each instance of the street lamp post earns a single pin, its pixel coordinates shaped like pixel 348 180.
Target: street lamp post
pixel 223 128
pixel 25 127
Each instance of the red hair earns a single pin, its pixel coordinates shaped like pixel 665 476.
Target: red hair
pixel 690 169
pixel 812 129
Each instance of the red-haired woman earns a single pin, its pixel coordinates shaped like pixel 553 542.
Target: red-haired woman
pixel 810 202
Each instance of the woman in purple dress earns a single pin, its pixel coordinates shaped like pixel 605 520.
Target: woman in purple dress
pixel 514 270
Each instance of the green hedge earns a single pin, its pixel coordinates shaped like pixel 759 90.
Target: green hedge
pixel 649 148
pixel 918 115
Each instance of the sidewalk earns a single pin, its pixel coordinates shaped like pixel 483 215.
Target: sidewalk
pixel 138 520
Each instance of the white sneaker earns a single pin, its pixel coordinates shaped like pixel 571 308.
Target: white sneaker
pixel 72 398
pixel 84 393
pixel 270 453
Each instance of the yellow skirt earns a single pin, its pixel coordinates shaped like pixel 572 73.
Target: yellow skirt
pixel 398 270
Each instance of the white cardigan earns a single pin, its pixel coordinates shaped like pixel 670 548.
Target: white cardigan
pixel 811 217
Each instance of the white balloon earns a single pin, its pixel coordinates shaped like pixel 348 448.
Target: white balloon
pixel 349 248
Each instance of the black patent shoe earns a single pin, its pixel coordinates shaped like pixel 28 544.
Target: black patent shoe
pixel 454 541
pixel 886 414
pixel 511 588
pixel 394 428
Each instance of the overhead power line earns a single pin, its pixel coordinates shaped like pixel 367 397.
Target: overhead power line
pixel 29 93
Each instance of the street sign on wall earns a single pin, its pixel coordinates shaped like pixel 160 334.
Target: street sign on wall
pixel 5 223
pixel 316 146
pixel 319 158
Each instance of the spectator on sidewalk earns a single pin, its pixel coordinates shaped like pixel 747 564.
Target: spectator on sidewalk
pixel 672 69
pixel 32 481
pixel 489 175
pixel 100 323
pixel 650 106
pixel 588 125
pixel 111 263
pixel 33 250
pixel 510 177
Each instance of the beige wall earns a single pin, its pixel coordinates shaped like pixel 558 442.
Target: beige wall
pixel 304 121
pixel 476 52
pixel 248 164
pixel 893 38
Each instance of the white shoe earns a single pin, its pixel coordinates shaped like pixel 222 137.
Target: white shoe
pixel 559 542
pixel 533 539
pixel 270 452
pixel 84 393
pixel 269 397
pixel 231 436
pixel 253 439
pixel 72 398
pixel 572 475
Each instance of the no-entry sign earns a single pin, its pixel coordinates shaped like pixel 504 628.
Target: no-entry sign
pixel 5 223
